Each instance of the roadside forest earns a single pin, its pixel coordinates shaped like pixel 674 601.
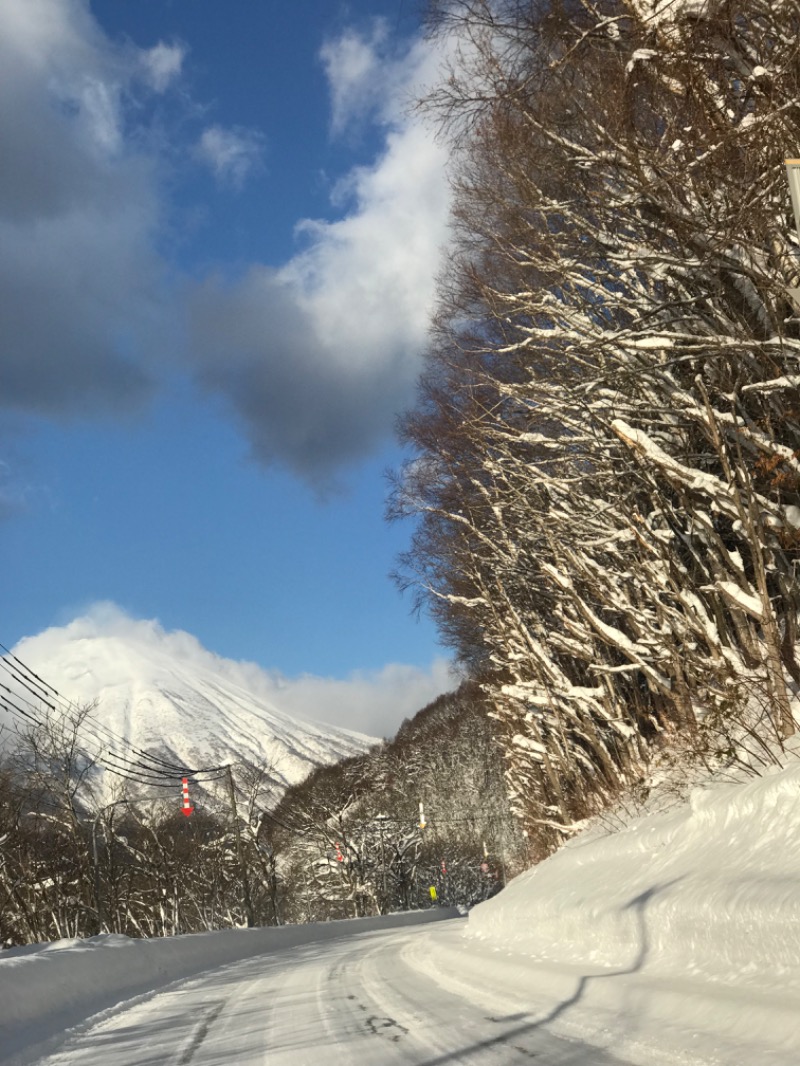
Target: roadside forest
pixel 423 815
pixel 605 449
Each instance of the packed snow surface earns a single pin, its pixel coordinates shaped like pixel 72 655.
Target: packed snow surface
pixel 682 927
pixel 674 940
pixel 50 987
pixel 165 693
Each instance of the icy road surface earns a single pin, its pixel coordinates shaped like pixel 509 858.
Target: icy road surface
pixel 360 1001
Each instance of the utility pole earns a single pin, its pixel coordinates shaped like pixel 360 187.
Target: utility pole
pixel 248 903
pixel 793 177
pixel 98 893
pixel 381 819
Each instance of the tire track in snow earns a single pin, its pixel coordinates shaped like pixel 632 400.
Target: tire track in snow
pixel 201 1033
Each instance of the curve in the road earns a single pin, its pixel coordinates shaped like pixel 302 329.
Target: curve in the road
pixel 355 1002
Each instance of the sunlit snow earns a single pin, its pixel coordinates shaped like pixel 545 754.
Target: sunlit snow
pixel 164 693
pixel 671 940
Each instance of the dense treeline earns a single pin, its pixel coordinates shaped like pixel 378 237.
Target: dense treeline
pixel 352 836
pixel 606 478
pixel 76 861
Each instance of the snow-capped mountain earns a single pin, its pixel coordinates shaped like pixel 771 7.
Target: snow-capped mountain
pixel 164 693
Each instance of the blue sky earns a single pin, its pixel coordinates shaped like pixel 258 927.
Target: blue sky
pixel 220 227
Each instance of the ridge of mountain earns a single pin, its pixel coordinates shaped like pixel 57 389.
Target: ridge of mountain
pixel 164 693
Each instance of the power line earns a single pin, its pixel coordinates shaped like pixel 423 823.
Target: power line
pixel 81 719
pixel 78 719
pixel 105 745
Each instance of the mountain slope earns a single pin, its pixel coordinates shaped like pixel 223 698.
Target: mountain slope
pixel 165 693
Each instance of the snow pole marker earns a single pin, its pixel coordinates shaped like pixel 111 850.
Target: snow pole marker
pixel 187 808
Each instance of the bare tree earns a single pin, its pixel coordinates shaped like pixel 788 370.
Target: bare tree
pixel 612 388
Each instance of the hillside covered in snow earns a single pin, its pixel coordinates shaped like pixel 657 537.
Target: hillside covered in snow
pixel 163 693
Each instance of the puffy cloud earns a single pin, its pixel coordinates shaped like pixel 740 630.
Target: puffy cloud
pixel 319 356
pixel 314 358
pixel 59 110
pixel 372 78
pixel 78 277
pixel 232 154
pixel 299 402
pixel 353 64
pixel 374 703
pixel 162 65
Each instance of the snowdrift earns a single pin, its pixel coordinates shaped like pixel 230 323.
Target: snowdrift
pixel 47 988
pixel 689 918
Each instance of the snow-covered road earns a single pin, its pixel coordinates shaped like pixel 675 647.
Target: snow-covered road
pixel 674 941
pixel 362 1001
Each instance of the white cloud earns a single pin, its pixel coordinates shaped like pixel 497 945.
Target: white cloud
pixel 318 357
pixel 353 65
pixel 374 703
pixel 163 64
pixel 372 77
pixel 232 154
pixel 367 280
pixel 79 278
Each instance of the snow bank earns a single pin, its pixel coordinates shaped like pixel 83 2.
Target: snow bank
pixel 693 914
pixel 47 988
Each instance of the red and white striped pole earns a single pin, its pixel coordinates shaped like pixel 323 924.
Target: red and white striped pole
pixel 187 807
